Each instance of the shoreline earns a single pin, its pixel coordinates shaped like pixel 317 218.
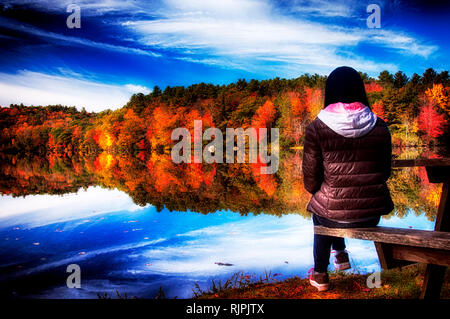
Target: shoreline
pixel 399 283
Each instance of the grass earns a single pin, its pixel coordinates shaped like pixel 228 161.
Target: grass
pixel 401 283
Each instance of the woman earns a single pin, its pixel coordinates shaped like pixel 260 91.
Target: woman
pixel 346 163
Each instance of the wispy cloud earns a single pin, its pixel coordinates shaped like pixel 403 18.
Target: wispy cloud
pixel 89 7
pixel 35 88
pixel 324 8
pixel 137 88
pixel 69 40
pixel 207 32
pixel 401 41
pixel 259 36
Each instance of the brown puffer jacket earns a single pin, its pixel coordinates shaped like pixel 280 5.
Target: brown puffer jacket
pixel 347 175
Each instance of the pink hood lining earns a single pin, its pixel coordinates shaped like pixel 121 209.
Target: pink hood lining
pixel 348 119
pixel 340 107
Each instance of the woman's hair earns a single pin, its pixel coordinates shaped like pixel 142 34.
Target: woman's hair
pixel 345 85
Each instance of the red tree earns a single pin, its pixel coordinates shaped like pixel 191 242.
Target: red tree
pixel 431 122
pixel 372 87
pixel 264 117
pixel 378 109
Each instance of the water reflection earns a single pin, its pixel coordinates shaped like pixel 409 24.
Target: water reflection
pixel 205 188
pixel 136 224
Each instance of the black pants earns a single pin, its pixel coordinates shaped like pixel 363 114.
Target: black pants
pixel 324 243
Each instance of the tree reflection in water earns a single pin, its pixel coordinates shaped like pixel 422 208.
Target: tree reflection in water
pixel 153 178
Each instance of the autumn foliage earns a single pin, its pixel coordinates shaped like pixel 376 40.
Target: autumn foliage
pixel 440 96
pixel 417 112
pixel 378 109
pixel 264 117
pixel 431 123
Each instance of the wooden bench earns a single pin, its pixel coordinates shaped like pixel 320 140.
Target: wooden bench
pixel 399 247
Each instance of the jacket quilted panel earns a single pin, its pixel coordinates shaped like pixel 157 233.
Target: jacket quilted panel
pixel 347 175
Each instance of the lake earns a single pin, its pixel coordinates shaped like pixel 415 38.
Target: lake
pixel 138 225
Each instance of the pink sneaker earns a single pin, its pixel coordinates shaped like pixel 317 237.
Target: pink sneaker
pixel 319 280
pixel 341 261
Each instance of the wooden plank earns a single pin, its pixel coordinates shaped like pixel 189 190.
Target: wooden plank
pixel 409 237
pixel 421 255
pixel 385 256
pixel 421 162
pixel 438 174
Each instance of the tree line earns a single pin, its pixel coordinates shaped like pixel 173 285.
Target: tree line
pixel 416 109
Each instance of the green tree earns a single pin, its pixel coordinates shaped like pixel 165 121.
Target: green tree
pixel 156 91
pixel 386 79
pixel 400 79
pixel 429 77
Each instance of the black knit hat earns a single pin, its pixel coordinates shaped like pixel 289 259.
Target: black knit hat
pixel 345 85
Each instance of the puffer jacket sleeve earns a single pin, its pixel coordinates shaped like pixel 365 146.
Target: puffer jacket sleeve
pixel 312 164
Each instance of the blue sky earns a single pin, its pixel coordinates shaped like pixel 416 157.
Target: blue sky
pixel 124 47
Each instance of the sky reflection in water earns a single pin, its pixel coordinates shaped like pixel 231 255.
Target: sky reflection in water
pixel 134 249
